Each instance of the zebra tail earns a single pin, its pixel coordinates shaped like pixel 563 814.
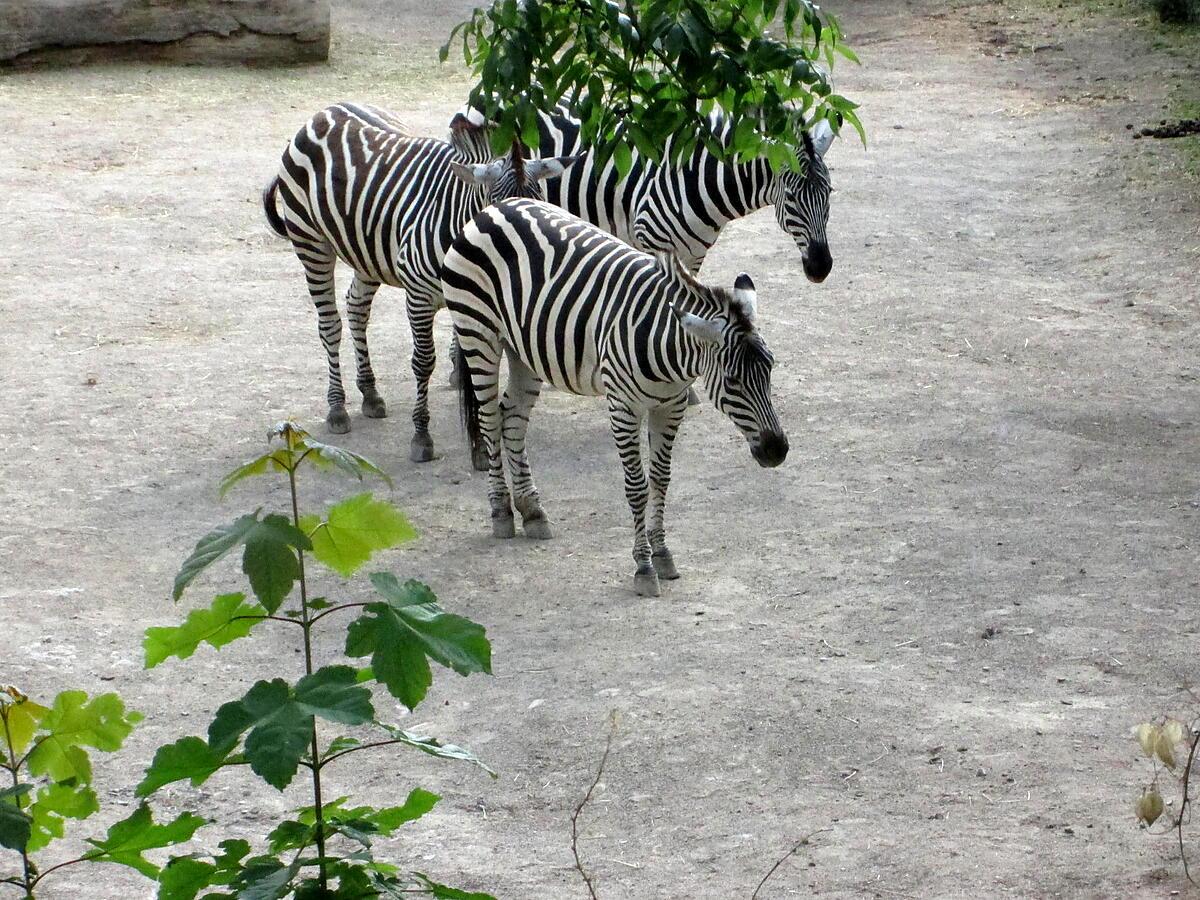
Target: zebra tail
pixel 468 404
pixel 271 209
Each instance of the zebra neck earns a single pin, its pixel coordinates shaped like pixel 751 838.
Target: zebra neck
pixel 738 189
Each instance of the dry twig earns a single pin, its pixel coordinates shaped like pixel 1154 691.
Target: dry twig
pixel 800 843
pixel 587 879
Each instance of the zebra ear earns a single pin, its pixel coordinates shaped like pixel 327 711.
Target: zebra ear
pixel 548 168
pixel 700 328
pixel 745 296
pixel 822 136
pixel 482 174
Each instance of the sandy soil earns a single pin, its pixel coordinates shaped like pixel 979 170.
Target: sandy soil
pixel 927 635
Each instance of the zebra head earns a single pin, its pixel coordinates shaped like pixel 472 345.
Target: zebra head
pixel 513 175
pixel 802 202
pixel 737 368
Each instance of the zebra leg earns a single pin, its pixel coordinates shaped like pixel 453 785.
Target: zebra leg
pixel 455 363
pixel 319 264
pixel 519 399
pixel 358 313
pixel 627 430
pixel 420 321
pixel 482 366
pixel 664 425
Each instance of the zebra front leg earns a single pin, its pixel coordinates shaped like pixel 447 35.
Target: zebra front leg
pixel 420 320
pixel 318 268
pixel 627 430
pixel 664 425
pixel 358 314
pixel 520 397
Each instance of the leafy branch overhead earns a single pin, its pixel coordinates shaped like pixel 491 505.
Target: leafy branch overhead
pixel 645 74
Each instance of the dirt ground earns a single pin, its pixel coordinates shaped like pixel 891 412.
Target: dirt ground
pixel 926 636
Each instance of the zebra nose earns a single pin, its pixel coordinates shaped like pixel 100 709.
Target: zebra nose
pixel 817 262
pixel 770 450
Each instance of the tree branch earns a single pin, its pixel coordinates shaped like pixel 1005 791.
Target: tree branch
pixel 1187 774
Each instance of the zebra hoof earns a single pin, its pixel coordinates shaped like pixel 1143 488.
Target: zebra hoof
pixel 373 406
pixel 503 527
pixel 538 528
pixel 338 420
pixel 480 461
pixel 421 448
pixel 693 397
pixel 664 566
pixel 646 584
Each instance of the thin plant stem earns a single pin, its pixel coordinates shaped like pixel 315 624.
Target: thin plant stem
pixel 308 669
pixel 317 618
pixel 12 770
pixel 334 756
pixel 1183 805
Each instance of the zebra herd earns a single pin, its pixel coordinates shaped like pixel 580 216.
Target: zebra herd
pixel 591 289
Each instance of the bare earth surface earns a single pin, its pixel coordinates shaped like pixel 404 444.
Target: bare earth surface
pixel 927 635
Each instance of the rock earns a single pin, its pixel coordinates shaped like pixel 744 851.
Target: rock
pixel 75 31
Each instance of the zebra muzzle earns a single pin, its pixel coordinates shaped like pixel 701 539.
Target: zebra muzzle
pixel 770 450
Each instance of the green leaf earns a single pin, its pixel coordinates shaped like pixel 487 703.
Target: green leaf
pixel 53 804
pixel 269 559
pixel 409 627
pixel 183 878
pixel 433 746
pixel 15 824
pixel 622 158
pixel 267 879
pixel 279 460
pixel 388 819
pixel 188 757
pixel 23 717
pixel 326 456
pixel 289 835
pixel 228 619
pixel 354 529
pixel 280 720
pixel 128 839
pixel 74 722
pixel 445 892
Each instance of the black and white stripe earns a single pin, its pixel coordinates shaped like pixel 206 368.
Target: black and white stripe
pixel 572 306
pixel 681 207
pixel 354 185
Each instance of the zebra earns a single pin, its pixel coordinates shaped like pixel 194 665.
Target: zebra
pixel 353 185
pixel 573 306
pixel 681 207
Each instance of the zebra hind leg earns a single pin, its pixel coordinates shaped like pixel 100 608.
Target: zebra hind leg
pixel 664 425
pixel 358 314
pixel 420 320
pixel 456 365
pixel 520 396
pixel 319 261
pixel 481 393
pixel 627 431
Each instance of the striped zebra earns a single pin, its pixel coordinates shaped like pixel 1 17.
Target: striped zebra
pixel 574 307
pixel 681 207
pixel 354 186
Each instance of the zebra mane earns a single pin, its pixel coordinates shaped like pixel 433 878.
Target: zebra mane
pixel 708 299
pixel 469 136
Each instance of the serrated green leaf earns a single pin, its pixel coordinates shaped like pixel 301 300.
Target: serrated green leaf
pixel 445 892
pixel 74 722
pixel 15 824
pixel 228 619
pixel 267 879
pixel 268 561
pixel 128 839
pixel 184 877
pixel 401 633
pixel 354 529
pixel 289 835
pixel 189 758
pixel 22 716
pixel 325 456
pixel 279 719
pixel 433 746
pixel 388 819
pixel 55 803
pixel 277 460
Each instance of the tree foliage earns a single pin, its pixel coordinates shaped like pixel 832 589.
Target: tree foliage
pixel 645 74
